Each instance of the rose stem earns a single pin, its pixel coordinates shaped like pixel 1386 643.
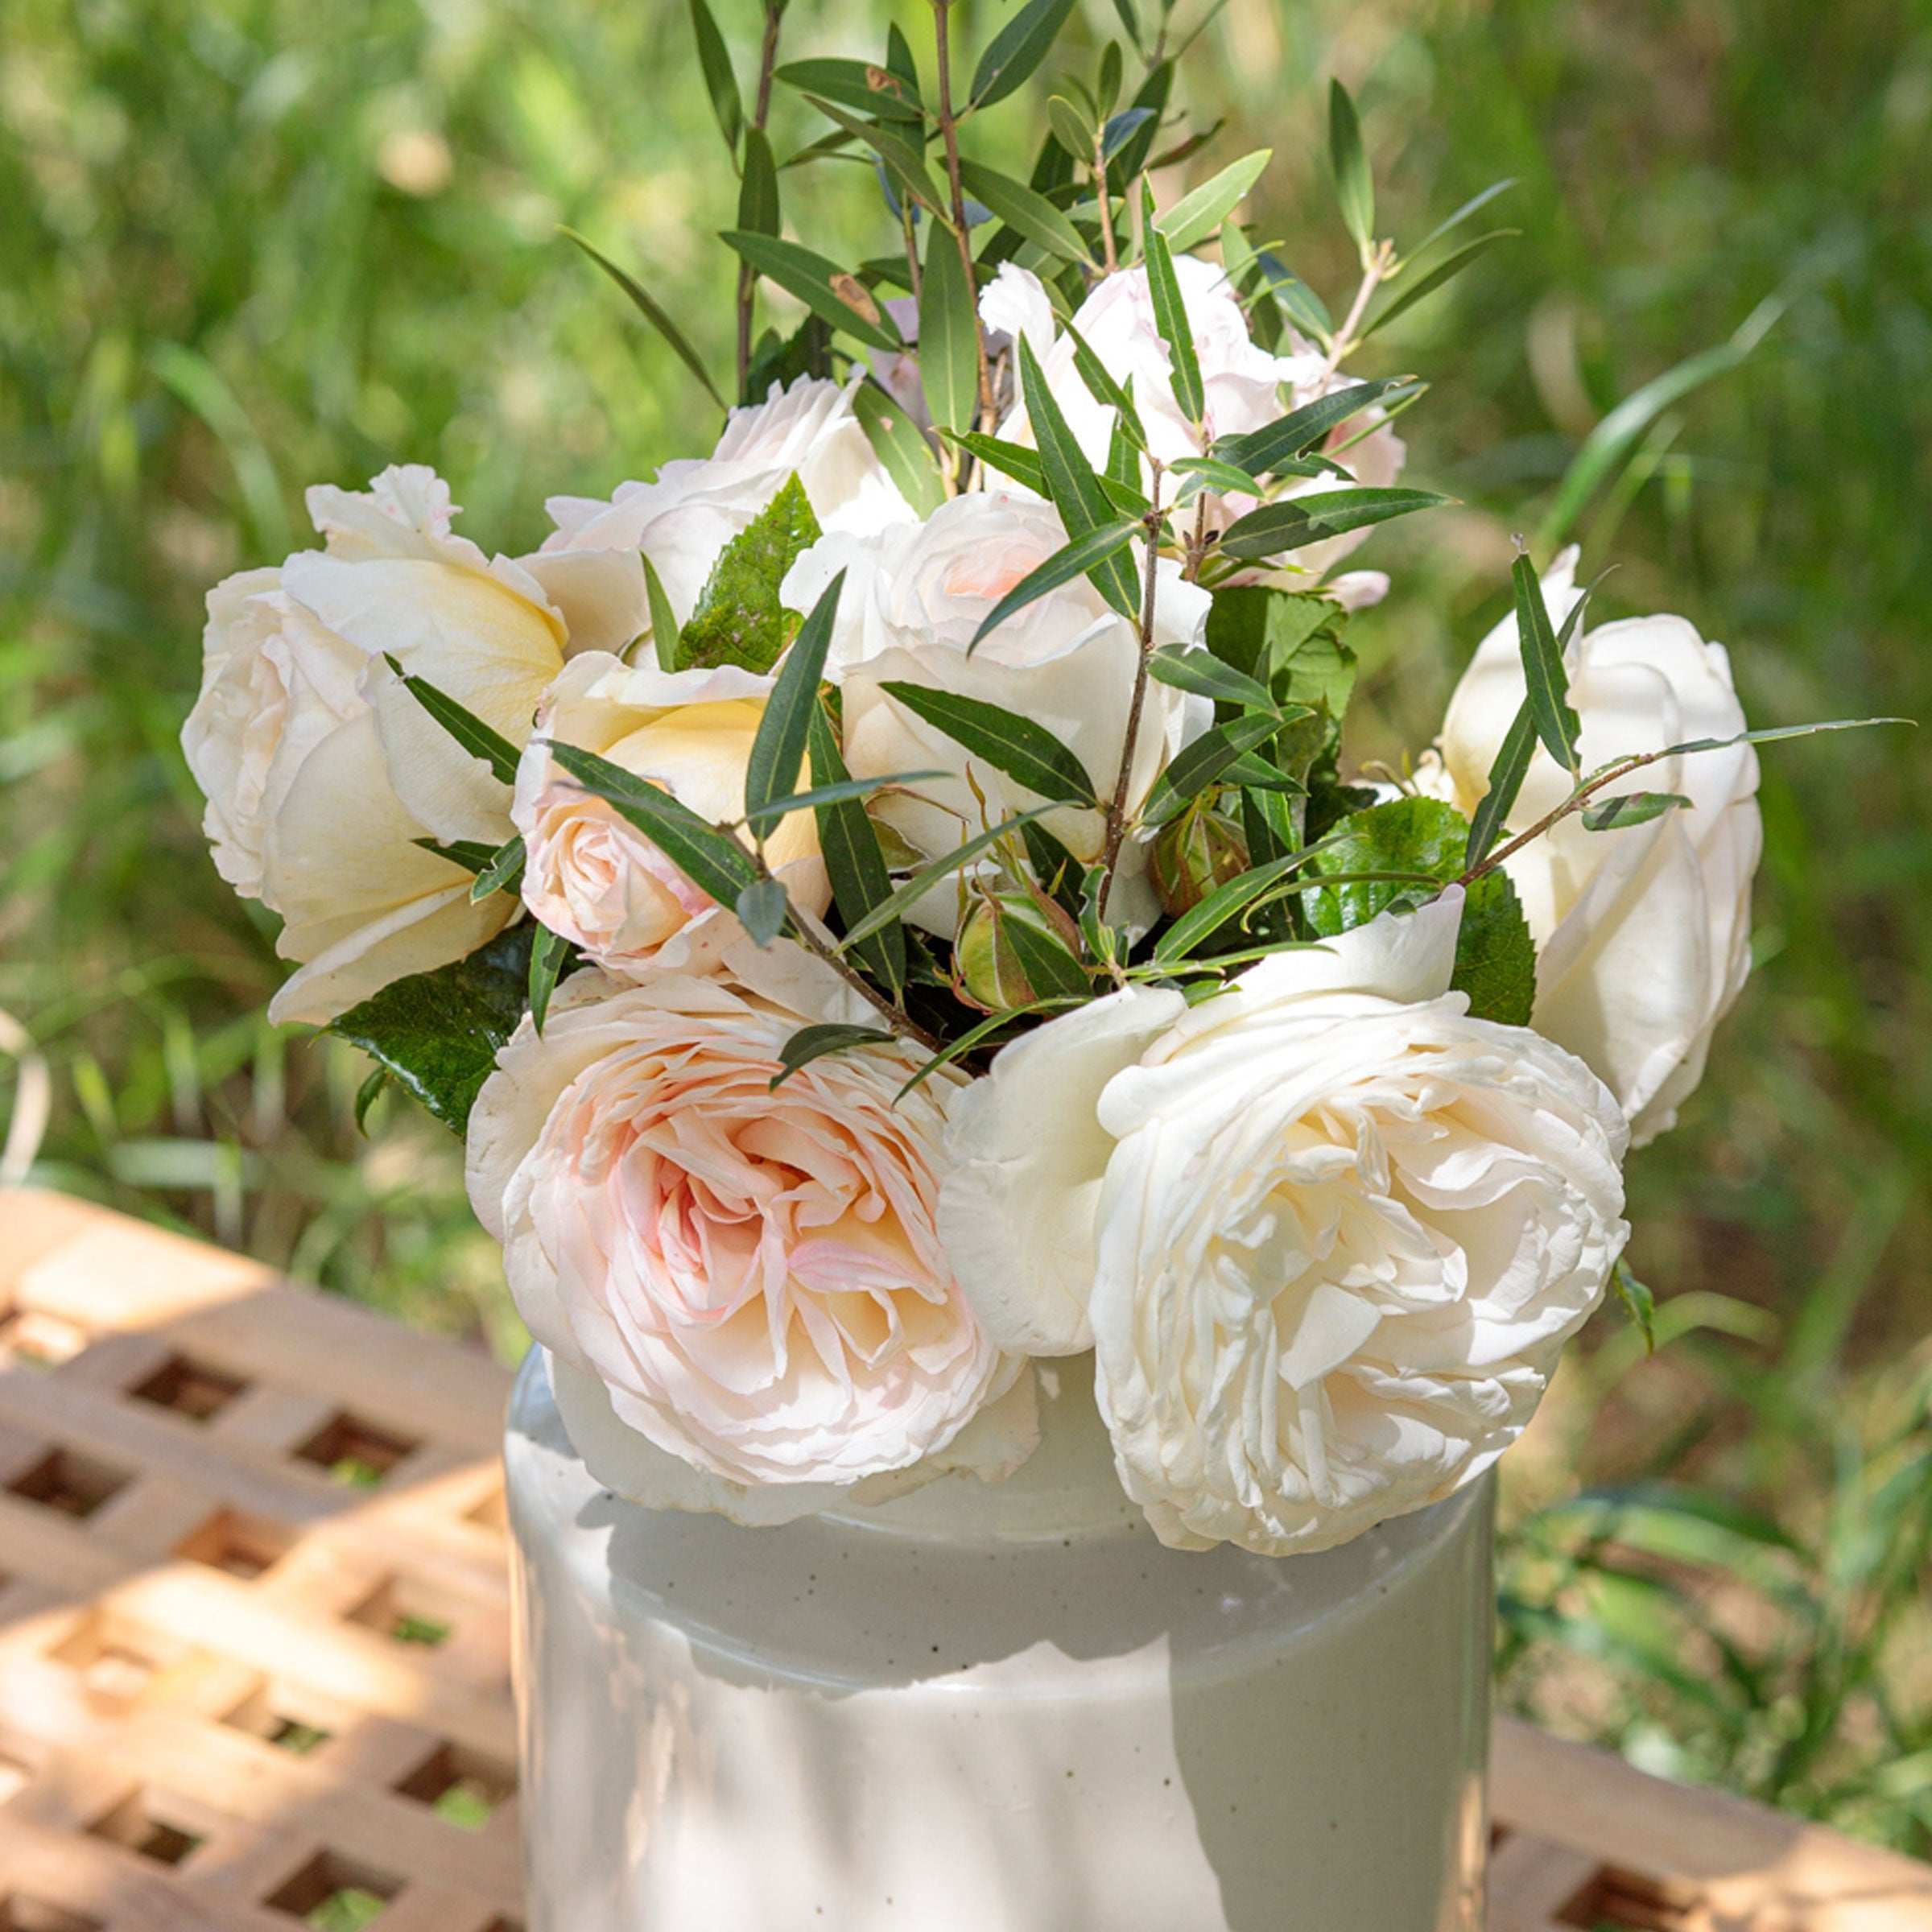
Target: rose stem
pixel 1100 189
pixel 949 133
pixel 1373 271
pixel 1116 809
pixel 747 277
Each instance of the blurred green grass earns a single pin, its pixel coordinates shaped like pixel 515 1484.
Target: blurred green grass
pixel 250 244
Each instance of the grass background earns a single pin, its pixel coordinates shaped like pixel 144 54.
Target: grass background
pixel 251 244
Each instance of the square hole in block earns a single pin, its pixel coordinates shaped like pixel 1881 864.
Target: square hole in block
pixel 20 1913
pixel 354 1451
pixel 34 1340
pixel 114 1669
pixel 333 1893
pixel 76 1485
pixel 1616 1901
pixel 147 1825
pixel 280 1715
pixel 244 1545
pixel 460 1785
pixel 189 1387
pixel 409 1612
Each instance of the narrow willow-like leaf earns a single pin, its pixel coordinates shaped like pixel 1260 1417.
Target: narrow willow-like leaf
pixel 1224 903
pixel 1200 213
pixel 711 860
pixel 909 893
pixel 899 150
pixel 1123 460
pixel 1202 763
pixel 1016 50
pixel 1297 301
pixel 811 1043
pixel 1013 460
pixel 1545 679
pixel 761 907
pixel 664 625
pixel 1406 298
pixel 854 84
pixel 1290 525
pixel 480 741
pixel 1028 753
pixel 503 872
pixel 1121 128
pixel 835 792
pixel 1026 213
pixel 1631 808
pixel 653 313
pixel 1103 389
pixel 759 188
pixel 1506 776
pixel 949 345
pixel 1205 674
pixel 1473 205
pixel 829 291
pixel 1639 1302
pixel 1151 99
pixel 1071 128
pixel 721 83
pixel 1170 316
pixel 1076 492
pixel 1774 734
pixel 972 1037
pixel 853 861
pixel 778 749
pixel 897 443
pixel 548 950
pixel 1258 451
pixel 1354 185
pixel 1049 968
pixel 1083 557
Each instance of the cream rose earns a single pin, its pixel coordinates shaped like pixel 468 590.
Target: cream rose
pixel 751 1276
pixel 588 874
pixel 1243 385
pixel 1327 1232
pixel 913 599
pixel 321 772
pixel 695 505
pixel 1643 931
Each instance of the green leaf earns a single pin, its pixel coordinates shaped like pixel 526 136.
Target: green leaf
pixel 1085 556
pixel 652 311
pixel 664 626
pixel 1354 185
pixel 472 855
pixel 1071 128
pixel 949 343
pixel 903 153
pixel 829 291
pixel 1631 808
pixel 1150 102
pixel 856 867
pixel 909 893
pixel 438 1034
pixel 1209 473
pixel 972 1037
pixel 720 82
pixel 738 618
pixel 1773 735
pixel 366 1096
pixel 1202 763
pixel 1639 1303
pixel 759 189
pixel 778 749
pixel 1449 266
pixel 1121 128
pixel 1045 961
pixel 1075 490
pixel 1547 681
pixel 548 950
pixel 710 859
pixel 1225 903
pixel 1506 776
pixel 1474 205
pixel 901 447
pixel 1258 451
pixel 480 741
pixel 504 871
pixel 811 1043
pixel 1103 389
pixel 1023 210
pixel 1013 460
pixel 1200 213
pixel 1298 520
pixel 836 792
pixel 1016 50
pixel 1203 673
pixel 1026 753
pixel 855 83
pixel 761 907
pixel 1495 957
pixel 1297 301
pixel 1170 316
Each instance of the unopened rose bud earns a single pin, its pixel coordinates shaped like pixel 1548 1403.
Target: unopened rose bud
pixel 1194 853
pixel 986 963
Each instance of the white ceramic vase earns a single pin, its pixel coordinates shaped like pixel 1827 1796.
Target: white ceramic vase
pixel 991 1709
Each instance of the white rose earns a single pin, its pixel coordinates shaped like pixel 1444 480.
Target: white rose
pixel 1642 932
pixel 750 1277
pixel 1243 386
pixel 684 518
pixel 589 872
pixel 914 596
pixel 1328 1232
pixel 321 772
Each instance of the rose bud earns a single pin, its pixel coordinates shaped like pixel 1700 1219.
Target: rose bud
pixel 988 971
pixel 1194 853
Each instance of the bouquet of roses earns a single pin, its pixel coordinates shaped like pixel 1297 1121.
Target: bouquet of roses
pixel 884 902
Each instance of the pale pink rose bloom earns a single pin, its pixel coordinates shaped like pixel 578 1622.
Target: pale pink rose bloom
pixel 753 1275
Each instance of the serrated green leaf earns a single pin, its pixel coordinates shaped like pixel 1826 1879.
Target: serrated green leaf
pixel 855 83
pixel 1354 185
pixel 653 313
pixel 1026 753
pixel 1200 212
pixel 831 293
pixel 758 187
pixel 1631 808
pixel 739 618
pixel 901 447
pixel 480 741
pixel 811 1043
pixel 853 862
pixel 438 1034
pixel 1023 210
pixel 1258 451
pixel 778 749
pixel 1016 50
pixel 1546 680
pixel 1295 521
pixel 949 343
pixel 1202 763
pixel 1085 556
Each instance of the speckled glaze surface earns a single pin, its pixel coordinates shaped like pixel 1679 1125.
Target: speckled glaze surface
pixel 1000 1709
